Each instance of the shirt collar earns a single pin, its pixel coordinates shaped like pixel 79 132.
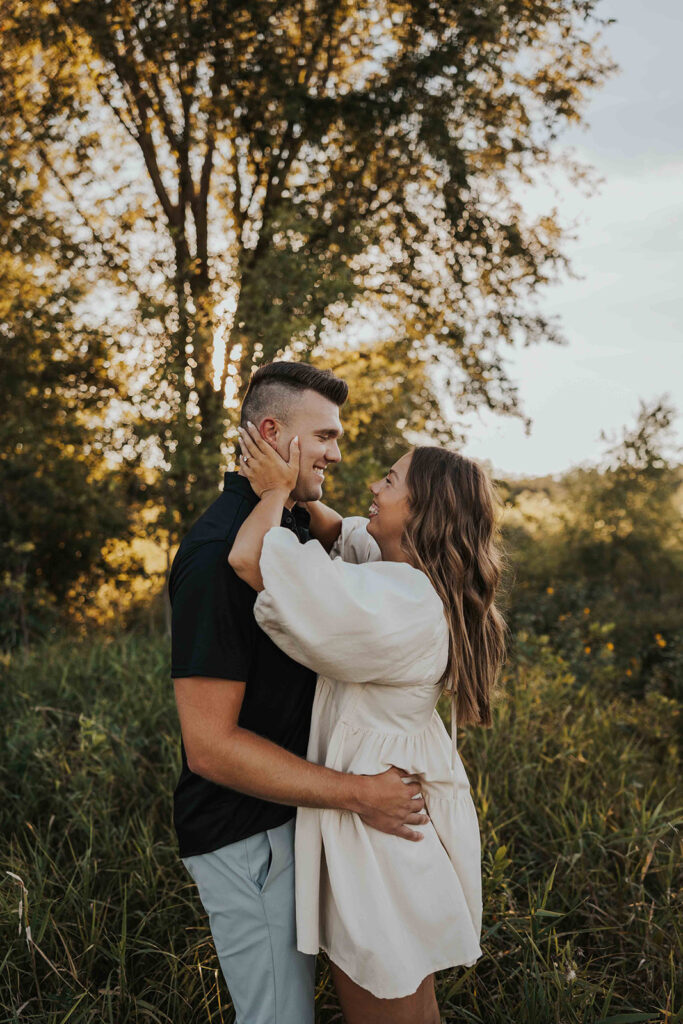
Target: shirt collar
pixel 302 515
pixel 240 485
pixel 234 481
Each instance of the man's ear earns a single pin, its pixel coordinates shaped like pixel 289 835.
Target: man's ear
pixel 270 430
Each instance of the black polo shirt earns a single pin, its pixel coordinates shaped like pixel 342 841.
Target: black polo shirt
pixel 214 633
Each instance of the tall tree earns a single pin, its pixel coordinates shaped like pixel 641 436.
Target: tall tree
pixel 254 170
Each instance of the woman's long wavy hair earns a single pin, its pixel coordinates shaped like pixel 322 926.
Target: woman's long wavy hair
pixel 452 534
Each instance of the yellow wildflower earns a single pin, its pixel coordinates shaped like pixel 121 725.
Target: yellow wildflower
pixel 550 590
pixel 610 645
pixel 587 650
pixel 586 611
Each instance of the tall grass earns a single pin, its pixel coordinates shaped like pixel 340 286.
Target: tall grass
pixel 580 815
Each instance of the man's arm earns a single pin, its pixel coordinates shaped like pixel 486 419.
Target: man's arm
pixel 218 749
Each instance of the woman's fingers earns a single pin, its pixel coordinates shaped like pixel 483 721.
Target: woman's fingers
pixel 256 446
pixel 294 454
pixel 255 437
pixel 247 444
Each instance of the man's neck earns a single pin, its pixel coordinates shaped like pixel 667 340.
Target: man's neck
pixel 289 504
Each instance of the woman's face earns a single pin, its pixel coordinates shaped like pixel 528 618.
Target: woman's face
pixel 389 509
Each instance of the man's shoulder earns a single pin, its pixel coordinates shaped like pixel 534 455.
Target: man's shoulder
pixel 219 523
pixel 210 538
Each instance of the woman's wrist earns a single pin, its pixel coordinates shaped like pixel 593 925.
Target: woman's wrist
pixel 276 494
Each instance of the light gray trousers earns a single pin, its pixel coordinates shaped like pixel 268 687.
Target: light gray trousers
pixel 247 889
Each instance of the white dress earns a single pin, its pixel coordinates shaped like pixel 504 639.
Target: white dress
pixel 386 910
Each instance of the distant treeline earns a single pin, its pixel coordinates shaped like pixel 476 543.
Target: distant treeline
pixel 594 558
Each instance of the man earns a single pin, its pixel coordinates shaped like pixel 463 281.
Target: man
pixel 245 708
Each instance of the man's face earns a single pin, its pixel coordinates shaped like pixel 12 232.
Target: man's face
pixel 316 421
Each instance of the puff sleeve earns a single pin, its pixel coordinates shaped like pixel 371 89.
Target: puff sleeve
pixel 379 622
pixel 354 543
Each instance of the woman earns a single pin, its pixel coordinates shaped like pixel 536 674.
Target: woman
pixel 406 611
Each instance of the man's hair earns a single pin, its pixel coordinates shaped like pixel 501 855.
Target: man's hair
pixel 275 387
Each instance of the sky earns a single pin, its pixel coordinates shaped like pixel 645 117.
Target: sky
pixel 624 319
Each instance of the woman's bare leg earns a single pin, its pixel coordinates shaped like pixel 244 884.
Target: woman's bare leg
pixel 360 1006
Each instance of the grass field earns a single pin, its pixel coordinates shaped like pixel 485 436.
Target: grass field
pixel 579 800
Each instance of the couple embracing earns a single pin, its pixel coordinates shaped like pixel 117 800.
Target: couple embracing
pixel 321 803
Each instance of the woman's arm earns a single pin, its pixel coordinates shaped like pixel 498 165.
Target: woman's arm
pixel 273 480
pixel 245 553
pixel 378 622
pixel 325 523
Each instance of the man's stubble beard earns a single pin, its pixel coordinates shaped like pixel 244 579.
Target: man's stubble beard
pixel 312 493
